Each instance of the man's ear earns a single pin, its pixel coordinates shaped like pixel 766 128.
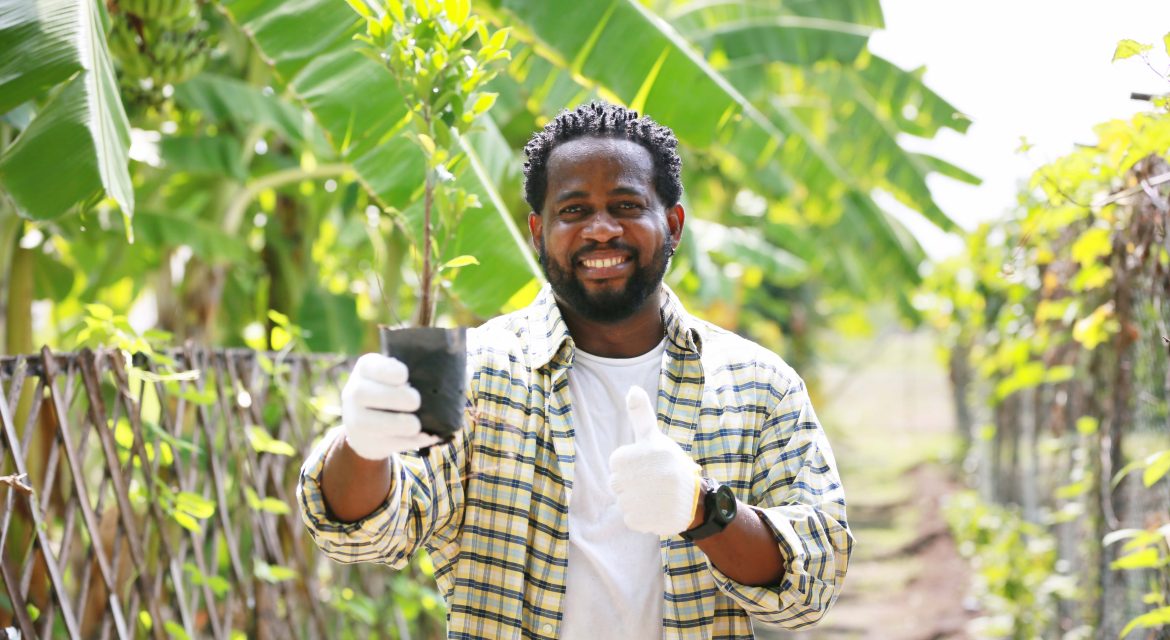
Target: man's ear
pixel 675 216
pixel 535 228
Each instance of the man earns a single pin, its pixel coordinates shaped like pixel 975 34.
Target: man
pixel 571 505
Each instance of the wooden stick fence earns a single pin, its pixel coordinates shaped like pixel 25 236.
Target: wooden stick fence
pixel 144 501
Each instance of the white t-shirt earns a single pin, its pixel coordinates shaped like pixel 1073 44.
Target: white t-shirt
pixel 615 581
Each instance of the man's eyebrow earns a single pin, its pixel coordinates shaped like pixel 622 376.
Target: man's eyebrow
pixel 569 195
pixel 627 191
pixel 618 191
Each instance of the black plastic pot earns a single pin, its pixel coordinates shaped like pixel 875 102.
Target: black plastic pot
pixel 437 360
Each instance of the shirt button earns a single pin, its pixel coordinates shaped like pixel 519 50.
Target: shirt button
pixel 547 628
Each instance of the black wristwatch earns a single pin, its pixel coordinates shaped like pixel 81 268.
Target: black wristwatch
pixel 719 509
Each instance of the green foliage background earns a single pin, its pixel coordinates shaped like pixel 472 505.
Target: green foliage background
pixel 273 168
pixel 259 173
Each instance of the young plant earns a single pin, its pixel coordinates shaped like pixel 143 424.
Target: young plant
pixel 440 56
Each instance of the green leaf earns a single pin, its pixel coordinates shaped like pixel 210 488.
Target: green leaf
pixel 100 312
pixel 360 7
pixel 218 584
pixel 1150 619
pixel 791 39
pixel 1147 558
pixel 52 279
pixel 268 504
pixel 224 99
pixel 1126 470
pixel 274 505
pixel 1157 465
pixel 32 60
pixel 1092 245
pixel 274 573
pixel 81 131
pixel 194 505
pixel 262 442
pixel 1072 490
pixel 186 521
pixel 461 261
pixel 1087 425
pixel 1129 48
pixel 206 239
pixel 1025 376
pixel 123 434
pixel 218 155
pixel 176 630
pixel 331 321
pixel 483 102
pixel 747 247
pixel 427 144
pixel 278 318
pixel 1096 327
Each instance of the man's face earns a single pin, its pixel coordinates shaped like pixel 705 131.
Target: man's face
pixel 603 236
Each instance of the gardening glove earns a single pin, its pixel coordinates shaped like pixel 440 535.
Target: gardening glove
pixel 376 409
pixel 656 482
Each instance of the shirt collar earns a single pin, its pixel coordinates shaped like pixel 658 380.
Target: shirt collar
pixel 551 341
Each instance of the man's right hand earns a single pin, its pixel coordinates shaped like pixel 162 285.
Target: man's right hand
pixel 377 406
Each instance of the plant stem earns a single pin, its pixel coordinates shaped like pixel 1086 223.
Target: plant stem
pixel 18 338
pixel 425 302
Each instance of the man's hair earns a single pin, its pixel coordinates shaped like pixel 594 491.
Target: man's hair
pixel 603 120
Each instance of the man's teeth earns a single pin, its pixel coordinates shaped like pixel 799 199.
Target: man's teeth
pixel 607 262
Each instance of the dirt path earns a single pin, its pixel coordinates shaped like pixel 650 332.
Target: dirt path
pixel 891 424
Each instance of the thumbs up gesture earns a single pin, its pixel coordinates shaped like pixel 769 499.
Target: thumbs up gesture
pixel 656 482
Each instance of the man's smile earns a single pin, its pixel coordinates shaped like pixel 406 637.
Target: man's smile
pixel 602 265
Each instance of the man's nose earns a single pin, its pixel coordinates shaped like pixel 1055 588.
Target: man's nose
pixel 602 227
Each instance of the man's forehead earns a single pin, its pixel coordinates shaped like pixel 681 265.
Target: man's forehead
pixel 622 156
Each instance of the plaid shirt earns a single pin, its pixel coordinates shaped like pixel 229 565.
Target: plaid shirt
pixel 492 508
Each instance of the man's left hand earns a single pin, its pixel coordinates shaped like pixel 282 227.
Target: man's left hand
pixel 656 482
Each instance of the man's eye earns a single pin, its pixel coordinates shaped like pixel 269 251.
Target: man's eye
pixel 629 205
pixel 571 209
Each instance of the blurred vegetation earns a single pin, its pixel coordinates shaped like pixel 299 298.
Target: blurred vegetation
pixel 229 158
pixel 261 174
pixel 1055 326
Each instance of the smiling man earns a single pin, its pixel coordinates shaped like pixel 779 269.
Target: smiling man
pixel 626 470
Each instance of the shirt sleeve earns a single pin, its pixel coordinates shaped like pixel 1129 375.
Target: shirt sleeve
pixel 424 505
pixel 797 491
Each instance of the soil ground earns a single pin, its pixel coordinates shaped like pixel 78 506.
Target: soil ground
pixel 890 419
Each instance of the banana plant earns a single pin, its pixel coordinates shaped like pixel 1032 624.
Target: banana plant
pixel 54 54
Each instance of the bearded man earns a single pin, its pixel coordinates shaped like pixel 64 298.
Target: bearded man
pixel 626 470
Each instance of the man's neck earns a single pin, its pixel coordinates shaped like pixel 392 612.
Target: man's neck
pixel 627 338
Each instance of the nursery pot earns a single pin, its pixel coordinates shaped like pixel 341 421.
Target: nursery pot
pixel 437 361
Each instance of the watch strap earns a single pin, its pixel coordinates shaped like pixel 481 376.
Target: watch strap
pixel 712 523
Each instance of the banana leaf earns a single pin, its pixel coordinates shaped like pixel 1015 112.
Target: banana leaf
pixel 81 130
pixel 643 61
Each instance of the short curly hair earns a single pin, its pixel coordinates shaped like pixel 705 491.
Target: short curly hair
pixel 603 120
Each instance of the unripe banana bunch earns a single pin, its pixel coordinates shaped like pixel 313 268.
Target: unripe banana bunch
pixel 157 42
pixel 178 57
pixel 162 12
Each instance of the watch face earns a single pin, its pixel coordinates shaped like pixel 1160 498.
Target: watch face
pixel 725 504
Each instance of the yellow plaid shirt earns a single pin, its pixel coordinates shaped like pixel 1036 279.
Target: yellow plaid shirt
pixel 492 507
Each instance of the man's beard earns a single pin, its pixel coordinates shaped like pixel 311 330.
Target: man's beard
pixel 607 306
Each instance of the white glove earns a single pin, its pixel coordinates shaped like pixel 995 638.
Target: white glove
pixel 656 482
pixel 376 406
